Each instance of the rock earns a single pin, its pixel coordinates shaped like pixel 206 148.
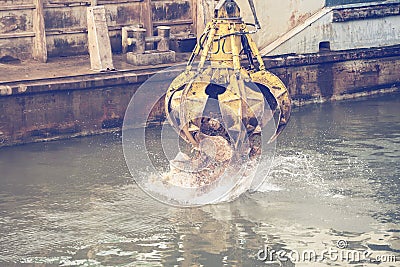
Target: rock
pixel 216 147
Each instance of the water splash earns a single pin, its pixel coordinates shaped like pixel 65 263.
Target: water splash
pixel 298 170
pixel 325 175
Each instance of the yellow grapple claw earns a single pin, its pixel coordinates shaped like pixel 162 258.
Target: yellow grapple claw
pixel 220 97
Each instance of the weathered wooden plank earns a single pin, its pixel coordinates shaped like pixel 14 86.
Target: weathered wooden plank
pixel 14 2
pixel 99 40
pixel 194 16
pixel 146 17
pixel 205 11
pixel 17 7
pixel 17 35
pixel 175 22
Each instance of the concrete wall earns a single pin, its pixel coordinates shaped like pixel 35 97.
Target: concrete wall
pixel 65 23
pixel 344 28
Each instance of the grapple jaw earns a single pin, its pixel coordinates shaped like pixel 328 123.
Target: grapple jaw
pixel 277 95
pixel 218 102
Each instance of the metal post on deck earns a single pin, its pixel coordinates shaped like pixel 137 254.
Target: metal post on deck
pixel 40 43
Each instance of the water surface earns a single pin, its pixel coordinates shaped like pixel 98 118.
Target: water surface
pixel 336 176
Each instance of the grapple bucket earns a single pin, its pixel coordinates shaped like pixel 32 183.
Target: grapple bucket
pixel 219 97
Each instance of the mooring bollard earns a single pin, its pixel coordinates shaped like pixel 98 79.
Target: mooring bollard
pixel 134 42
pixel 134 39
pixel 139 36
pixel 164 32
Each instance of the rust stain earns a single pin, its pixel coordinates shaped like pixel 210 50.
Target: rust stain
pixel 292 19
pixel 325 80
pixel 64 46
pixel 171 11
pixel 60 19
pixel 62 43
pixel 297 18
pixel 13 23
pixel 360 13
pixel 50 130
pixel 128 14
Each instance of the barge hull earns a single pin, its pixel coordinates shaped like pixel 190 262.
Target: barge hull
pixel 43 109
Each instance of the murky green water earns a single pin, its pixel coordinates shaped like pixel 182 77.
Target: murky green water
pixel 336 177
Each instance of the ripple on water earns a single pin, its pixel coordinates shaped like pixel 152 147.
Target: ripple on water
pixel 336 178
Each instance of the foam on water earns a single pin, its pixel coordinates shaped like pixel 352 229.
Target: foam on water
pixel 236 180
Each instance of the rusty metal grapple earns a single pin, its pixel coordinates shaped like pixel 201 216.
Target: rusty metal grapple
pixel 218 96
